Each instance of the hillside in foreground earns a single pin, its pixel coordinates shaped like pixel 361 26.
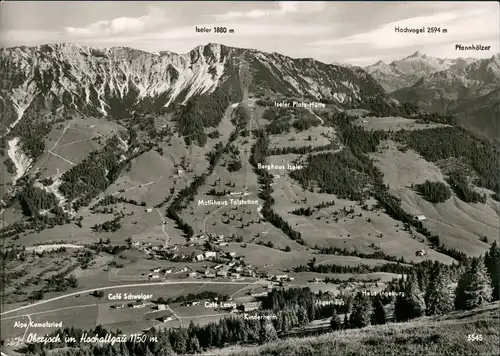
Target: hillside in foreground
pixel 442 335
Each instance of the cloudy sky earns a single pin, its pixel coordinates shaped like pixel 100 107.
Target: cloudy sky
pixel 358 32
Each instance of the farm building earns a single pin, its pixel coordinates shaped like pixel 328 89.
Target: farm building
pixel 250 306
pixel 210 254
pixel 200 257
pixel 136 305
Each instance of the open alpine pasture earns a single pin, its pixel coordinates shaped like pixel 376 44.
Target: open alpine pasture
pixel 337 226
pixel 459 224
pixel 391 123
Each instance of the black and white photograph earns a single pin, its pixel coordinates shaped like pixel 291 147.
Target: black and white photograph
pixel 244 178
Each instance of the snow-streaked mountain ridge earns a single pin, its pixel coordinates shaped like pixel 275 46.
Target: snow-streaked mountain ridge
pixel 102 81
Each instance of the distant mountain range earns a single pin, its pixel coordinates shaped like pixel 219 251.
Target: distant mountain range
pixel 407 71
pixel 465 87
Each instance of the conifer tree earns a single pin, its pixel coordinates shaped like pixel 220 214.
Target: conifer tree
pixel 335 322
pixel 163 347
pixel 362 311
pixel 268 333
pixel 438 296
pixel 346 322
pixel 411 304
pixel 492 262
pixel 379 316
pixel 474 287
pixel 303 318
pixel 194 345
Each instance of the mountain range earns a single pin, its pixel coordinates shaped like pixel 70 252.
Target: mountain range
pixel 100 81
pixel 107 81
pixel 464 87
pixel 408 71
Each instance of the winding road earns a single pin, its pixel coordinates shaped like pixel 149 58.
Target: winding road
pixel 163 227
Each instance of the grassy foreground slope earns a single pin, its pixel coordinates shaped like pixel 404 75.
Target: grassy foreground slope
pixel 441 335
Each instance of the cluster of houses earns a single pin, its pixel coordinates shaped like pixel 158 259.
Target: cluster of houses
pixel 155 272
pixel 135 305
pixel 280 278
pixel 230 270
pixel 229 265
pixel 233 307
pixel 189 253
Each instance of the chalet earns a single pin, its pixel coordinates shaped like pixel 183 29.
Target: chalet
pixel 421 217
pixel 222 273
pixel 118 306
pixel 250 306
pixel 148 210
pixel 156 270
pixel 235 275
pixel 193 303
pixel 192 274
pixel 260 294
pixel 249 273
pixel 166 317
pixel 138 304
pixel 154 276
pixel 421 253
pixel 200 257
pixel 210 254
pixel 168 270
pixel 161 307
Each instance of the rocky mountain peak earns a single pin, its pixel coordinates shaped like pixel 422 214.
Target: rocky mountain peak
pixel 417 54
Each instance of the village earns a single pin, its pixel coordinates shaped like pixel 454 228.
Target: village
pixel 217 264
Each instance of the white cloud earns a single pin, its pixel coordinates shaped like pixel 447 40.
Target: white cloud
pixel 461 26
pixel 284 8
pixel 28 37
pixel 119 26
pixel 241 30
